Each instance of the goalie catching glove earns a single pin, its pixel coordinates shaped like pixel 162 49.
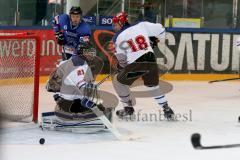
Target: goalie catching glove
pixel 54 83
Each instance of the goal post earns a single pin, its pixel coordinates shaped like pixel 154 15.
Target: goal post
pixel 19 76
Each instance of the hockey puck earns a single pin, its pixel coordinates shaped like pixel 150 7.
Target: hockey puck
pixel 42 141
pixel 239 119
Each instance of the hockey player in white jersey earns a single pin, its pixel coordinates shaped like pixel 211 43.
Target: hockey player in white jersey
pixel 135 59
pixel 72 83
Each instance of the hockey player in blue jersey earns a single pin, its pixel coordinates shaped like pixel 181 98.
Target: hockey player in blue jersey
pixel 71 32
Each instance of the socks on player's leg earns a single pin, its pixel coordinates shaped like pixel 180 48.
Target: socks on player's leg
pixel 162 101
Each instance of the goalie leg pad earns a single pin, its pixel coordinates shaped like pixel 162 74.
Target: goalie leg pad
pixel 51 122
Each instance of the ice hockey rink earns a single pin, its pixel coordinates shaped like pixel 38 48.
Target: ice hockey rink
pixel 212 111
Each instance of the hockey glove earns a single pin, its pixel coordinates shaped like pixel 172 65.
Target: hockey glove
pixel 82 47
pixel 90 93
pixel 153 41
pixel 87 103
pixel 115 66
pixel 60 38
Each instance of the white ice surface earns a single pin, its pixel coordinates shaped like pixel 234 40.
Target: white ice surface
pixel 215 109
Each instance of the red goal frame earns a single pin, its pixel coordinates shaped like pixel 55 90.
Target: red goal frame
pixel 26 35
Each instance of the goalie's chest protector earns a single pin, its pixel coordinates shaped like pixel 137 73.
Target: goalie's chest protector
pixel 132 42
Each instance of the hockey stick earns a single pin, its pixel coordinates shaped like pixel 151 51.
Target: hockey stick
pixel 222 80
pixel 196 142
pixel 229 79
pixel 103 80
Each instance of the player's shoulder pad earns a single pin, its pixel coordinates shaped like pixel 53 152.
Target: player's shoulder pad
pixel 77 60
pixel 118 33
pixel 61 63
pixel 64 18
pixel 145 23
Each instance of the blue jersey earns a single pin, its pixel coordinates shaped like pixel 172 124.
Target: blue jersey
pixel 73 35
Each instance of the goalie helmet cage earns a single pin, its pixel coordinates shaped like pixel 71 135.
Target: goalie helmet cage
pixel 19 76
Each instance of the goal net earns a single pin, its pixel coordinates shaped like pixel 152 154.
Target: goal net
pixel 19 76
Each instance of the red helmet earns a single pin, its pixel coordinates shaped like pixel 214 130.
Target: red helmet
pixel 120 18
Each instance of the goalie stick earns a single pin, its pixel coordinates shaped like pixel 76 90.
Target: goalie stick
pixel 196 142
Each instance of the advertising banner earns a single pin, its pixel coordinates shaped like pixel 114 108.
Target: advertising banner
pixel 186 22
pixel 181 52
pixel 91 20
pixel 105 20
pixel 183 22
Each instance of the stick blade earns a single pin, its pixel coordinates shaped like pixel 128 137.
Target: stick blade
pixel 195 139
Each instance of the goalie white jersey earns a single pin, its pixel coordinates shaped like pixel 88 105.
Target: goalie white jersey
pixel 73 71
pixel 72 83
pixel 133 41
